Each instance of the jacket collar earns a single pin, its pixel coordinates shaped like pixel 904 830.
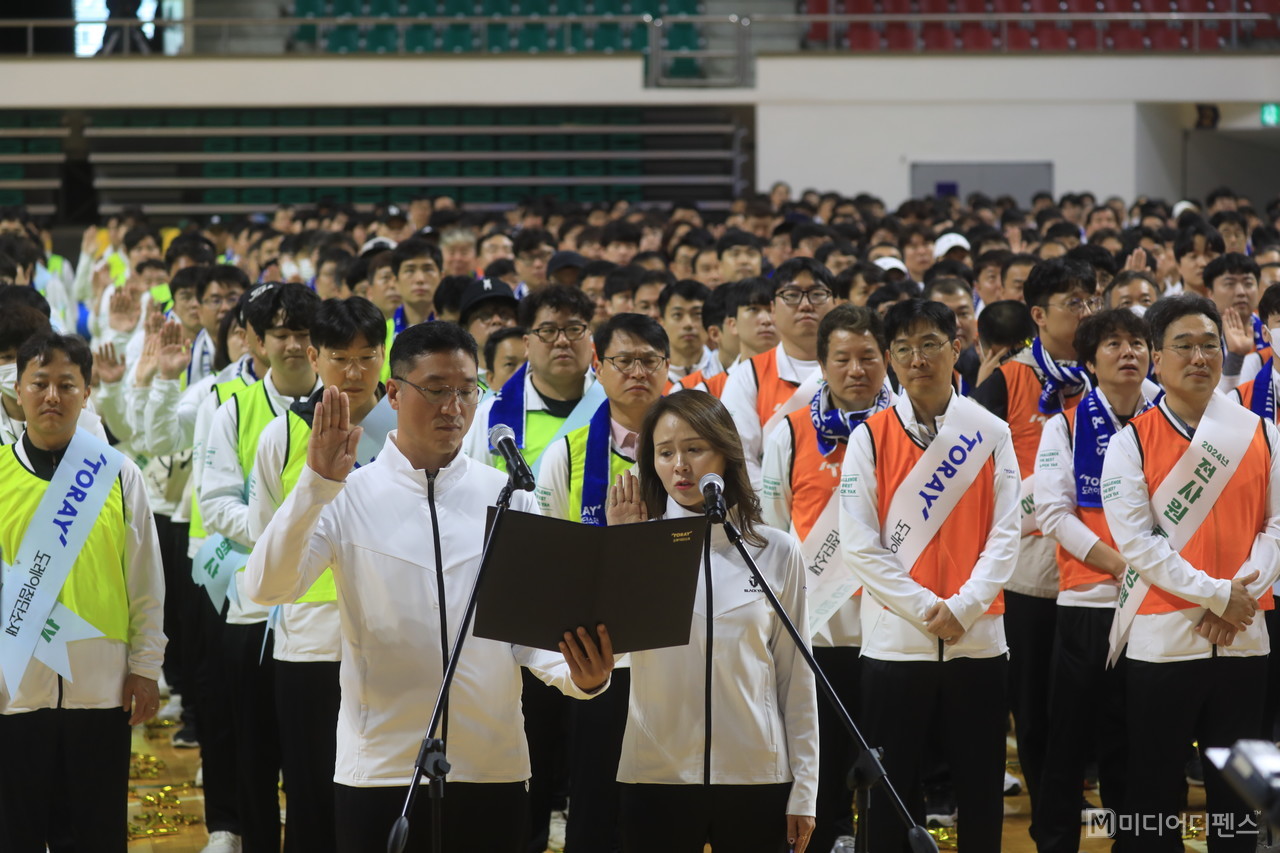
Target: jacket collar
pixel 415 479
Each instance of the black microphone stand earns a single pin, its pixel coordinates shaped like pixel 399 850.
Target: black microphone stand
pixel 867 771
pixel 431 762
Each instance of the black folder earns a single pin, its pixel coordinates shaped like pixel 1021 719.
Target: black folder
pixel 546 576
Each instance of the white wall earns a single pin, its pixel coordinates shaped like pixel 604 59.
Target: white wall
pixel 843 122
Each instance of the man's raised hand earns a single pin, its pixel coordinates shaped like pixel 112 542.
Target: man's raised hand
pixel 331 453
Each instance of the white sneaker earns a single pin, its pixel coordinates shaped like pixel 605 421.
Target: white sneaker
pixel 1012 785
pixel 163 685
pixel 199 783
pixel 222 842
pixel 172 709
pixel 555 838
pixel 844 844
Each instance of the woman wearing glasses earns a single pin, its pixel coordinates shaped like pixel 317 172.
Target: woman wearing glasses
pixel 721 744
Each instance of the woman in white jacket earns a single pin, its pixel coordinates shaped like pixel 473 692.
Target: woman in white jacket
pixel 721 744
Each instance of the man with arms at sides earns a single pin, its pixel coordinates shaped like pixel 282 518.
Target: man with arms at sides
pixel 346 353
pixel 1231 281
pixel 1086 698
pixel 1025 391
pixel 279 320
pixel 631 354
pixel 1188 492
pixel 416 264
pixel 400 603
pixel 551 395
pixel 739 255
pixel 802 460
pixel 680 306
pixel 929 525
pixel 776 382
pixel 93 577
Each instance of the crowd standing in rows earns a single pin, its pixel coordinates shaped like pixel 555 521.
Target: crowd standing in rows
pixel 996 462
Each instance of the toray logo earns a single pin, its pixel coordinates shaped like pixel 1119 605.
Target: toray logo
pixel 955 457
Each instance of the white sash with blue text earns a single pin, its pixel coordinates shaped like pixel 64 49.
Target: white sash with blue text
pixel 934 486
pixel 35 623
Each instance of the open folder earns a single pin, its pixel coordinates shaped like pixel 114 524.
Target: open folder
pixel 546 576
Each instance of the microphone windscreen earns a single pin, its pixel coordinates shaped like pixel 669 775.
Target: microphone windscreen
pixel 711 480
pixel 499 432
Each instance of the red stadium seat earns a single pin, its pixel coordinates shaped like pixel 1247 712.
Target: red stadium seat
pixel 935 7
pixel 819 31
pixel 1124 37
pixel 860 7
pixel 1210 39
pixel 937 37
pixel 1086 36
pixel 1051 37
pixel 899 37
pixel 862 38
pixel 1019 39
pixel 1166 39
pixel 896 7
pixel 1007 7
pixel 977 37
pixel 973 7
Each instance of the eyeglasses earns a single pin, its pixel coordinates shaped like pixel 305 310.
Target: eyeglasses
pixel 442 394
pixel 572 332
pixel 363 363
pixel 1078 306
pixel 929 350
pixel 626 363
pixel 215 301
pixel 533 257
pixel 1211 352
pixel 794 296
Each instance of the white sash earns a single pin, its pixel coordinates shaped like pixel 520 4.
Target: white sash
pixel 35 623
pixel 934 486
pixel 798 400
pixel 1185 496
pixel 831 582
pixel 374 428
pixel 1027 506
pixel 215 567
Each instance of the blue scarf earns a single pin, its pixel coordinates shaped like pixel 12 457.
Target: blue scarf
pixel 398 317
pixel 595 468
pixel 1263 401
pixel 1094 428
pixel 834 425
pixel 1258 343
pixel 1059 379
pixel 508 405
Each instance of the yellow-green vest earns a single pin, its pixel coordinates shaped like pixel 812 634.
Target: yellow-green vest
pixel 95 590
pixel 577 442
pixel 539 428
pixel 324 588
pixel 224 390
pixel 386 354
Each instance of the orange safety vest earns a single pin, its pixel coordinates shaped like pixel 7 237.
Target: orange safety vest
pixel 814 477
pixel 948 560
pixel 1025 419
pixel 771 389
pixel 1072 572
pixel 1223 542
pixel 714 386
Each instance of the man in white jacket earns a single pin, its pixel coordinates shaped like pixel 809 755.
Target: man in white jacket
pixel 403 537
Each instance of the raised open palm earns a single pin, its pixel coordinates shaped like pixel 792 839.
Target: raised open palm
pixel 331 452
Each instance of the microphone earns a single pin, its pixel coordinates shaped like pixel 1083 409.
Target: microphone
pixel 503 439
pixel 712 488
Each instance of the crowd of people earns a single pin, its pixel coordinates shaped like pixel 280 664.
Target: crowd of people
pixel 1009 469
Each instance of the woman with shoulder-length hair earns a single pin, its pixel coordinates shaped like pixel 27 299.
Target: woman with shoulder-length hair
pixel 721 745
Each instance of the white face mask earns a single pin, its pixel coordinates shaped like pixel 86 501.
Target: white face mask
pixel 9 380
pixel 1275 336
pixel 306 269
pixel 288 269
pixel 1140 310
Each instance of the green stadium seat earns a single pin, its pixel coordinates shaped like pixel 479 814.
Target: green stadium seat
pixel 335 195
pixel 420 38
pixel 551 169
pixel 551 115
pixel 218 170
pixel 294 170
pixel 368 169
pixel 534 7
pixel 12 197
pixel 308 8
pixel 404 143
pixel 293 144
pixel 101 119
pixel 368 195
pixel 441 116
pixel 306 34
pixel 682 7
pixel 295 195
pixel 625 142
pixel 346 8
pixel 638 38
pixel 368 142
pixel 331 143
pixel 11 120
pixel 442 169
pixel 144 118
pixel 402 195
pixel 532 38
pixel 257 144
pixel 44 118
pixel 403 118
pixel 577 41
pixel 384 38
pixel 627 192
pixel 515 142
pixel 685 68
pixel 440 143
pixel 478 169
pixel 462 8
pixel 258 195
pixel 515 169
pixel 625 116
pixel 218 144
pixel 44 146
pixel 331 170
pixel 627 168
pixel 343 39
pixel 479 195
pixel 12 171
pixel 254 118
pixel 217 118
pixel 477 142
pixel 329 117
pixel 255 171
pixel 483 116
pixel 219 196
pixel 497 38
pixel 589 194
pixel 404 169
pixel 436 192
pixel 421 8
pixel 587 142
pixel 571 7
pixel 180 118
pixel 513 195
pixel 588 168
pixel 368 117
pixel 607 7
pixel 607 38
pixel 384 8
pixel 515 116
pixel 293 118
pixel 682 37
pixel 647 7
pixel 551 142
pixel 10 146
pixel 458 38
